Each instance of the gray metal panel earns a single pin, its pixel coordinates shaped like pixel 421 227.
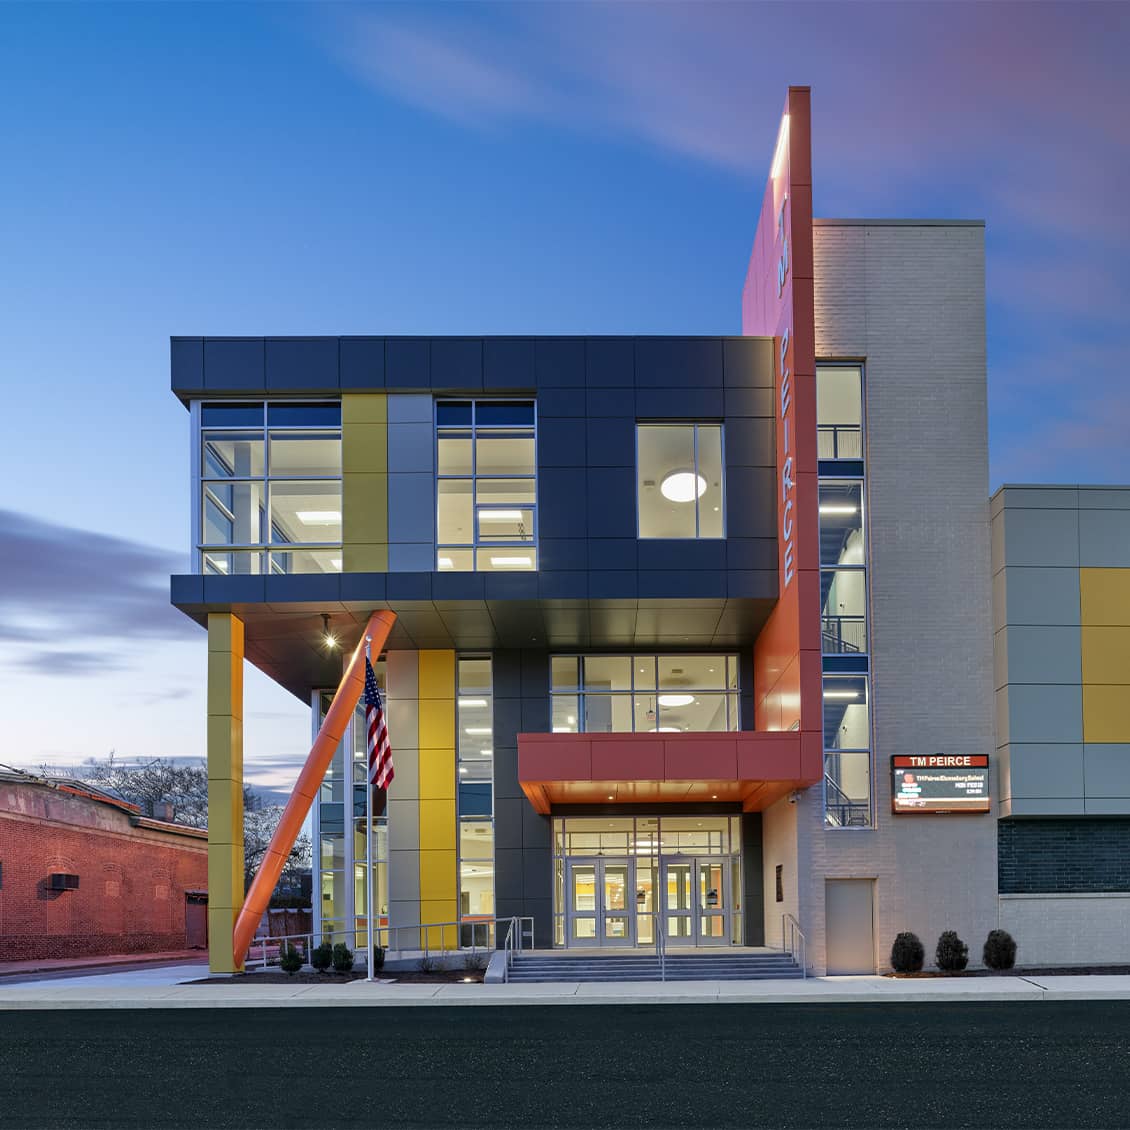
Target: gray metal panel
pixel 411 557
pixel 404 877
pixel 507 873
pixel 1104 498
pixel 508 822
pixel 1104 538
pixel 850 925
pixel 411 447
pixel 1045 771
pixel 1045 713
pixel 1039 806
pixel 1040 498
pixel 1107 806
pixel 1041 596
pixel 403 821
pixel 1041 537
pixel 411 507
pixel 409 408
pixel 1043 654
pixel 1107 770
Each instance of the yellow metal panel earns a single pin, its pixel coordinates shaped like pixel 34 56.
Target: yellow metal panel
pixel 364 448
pixel 437 773
pixel 438 877
pixel 364 508
pixel 437 674
pixel 364 408
pixel 225 785
pixel 437 825
pixel 1106 713
pixel 437 910
pixel 1106 656
pixel 361 557
pixel 437 723
pixel 221 922
pixel 1104 597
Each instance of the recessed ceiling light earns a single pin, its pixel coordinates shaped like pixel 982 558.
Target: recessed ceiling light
pixel 476 730
pixel 682 486
pixel 318 517
pixel 834 508
pixel 472 702
pixel 841 694
pixel 675 699
pixel 500 515
pixel 516 562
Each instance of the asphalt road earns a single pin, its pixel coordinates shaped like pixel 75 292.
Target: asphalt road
pixel 1025 1064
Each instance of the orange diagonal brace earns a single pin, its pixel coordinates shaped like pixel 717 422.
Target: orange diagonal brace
pixel 309 781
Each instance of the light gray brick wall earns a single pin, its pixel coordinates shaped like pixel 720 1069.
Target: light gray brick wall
pixel 908 299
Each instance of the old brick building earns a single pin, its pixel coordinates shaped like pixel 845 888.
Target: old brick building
pixel 83 872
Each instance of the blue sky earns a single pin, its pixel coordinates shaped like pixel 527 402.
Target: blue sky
pixel 304 169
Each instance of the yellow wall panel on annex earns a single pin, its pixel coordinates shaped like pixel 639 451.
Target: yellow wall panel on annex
pixel 1104 601
pixel 364 482
pixel 1104 597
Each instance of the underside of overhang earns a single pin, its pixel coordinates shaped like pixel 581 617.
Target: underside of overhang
pixel 285 639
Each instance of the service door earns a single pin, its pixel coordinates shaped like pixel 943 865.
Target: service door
pixel 849 906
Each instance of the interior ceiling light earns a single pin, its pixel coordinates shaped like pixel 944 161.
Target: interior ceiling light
pixel 523 562
pixel 841 694
pixel 665 730
pixel 500 515
pixel 682 486
pixel 472 702
pixel 318 517
pixel 446 563
pixel 675 699
pixel 336 563
pixel 328 638
pixel 832 508
pixel 474 731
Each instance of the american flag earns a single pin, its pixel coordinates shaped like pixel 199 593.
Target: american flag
pixel 380 752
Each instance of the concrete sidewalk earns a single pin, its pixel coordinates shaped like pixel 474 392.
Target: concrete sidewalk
pixel 123 990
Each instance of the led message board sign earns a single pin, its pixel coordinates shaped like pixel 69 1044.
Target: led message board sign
pixel 940 782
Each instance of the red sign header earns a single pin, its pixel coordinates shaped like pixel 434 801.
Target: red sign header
pixel 941 761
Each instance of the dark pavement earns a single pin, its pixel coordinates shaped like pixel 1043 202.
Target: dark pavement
pixel 1023 1064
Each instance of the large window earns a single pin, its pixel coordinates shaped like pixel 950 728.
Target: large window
pixel 679 480
pixel 486 485
pixel 474 790
pixel 644 693
pixel 269 488
pixel 847 760
pixel 843 567
pixel 839 408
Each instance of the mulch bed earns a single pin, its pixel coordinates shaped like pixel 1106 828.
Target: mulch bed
pixel 306 977
pixel 1028 971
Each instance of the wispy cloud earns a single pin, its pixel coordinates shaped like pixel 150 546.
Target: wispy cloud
pixel 66 589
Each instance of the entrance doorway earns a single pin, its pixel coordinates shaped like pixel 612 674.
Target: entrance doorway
pixel 599 904
pixel 697 901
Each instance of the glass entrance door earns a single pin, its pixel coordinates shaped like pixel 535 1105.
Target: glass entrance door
pixel 600 897
pixel 696 901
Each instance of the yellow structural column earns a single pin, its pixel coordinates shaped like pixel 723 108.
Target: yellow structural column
pixel 439 864
pixel 364 482
pixel 225 786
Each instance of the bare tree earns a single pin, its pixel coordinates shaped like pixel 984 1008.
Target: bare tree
pixel 160 787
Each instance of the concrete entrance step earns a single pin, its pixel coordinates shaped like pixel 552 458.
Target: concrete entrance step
pixel 742 966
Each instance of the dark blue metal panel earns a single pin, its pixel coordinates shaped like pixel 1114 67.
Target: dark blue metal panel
pixel 234 364
pixel 186 360
pixel 362 363
pixel 305 364
pixel 508 363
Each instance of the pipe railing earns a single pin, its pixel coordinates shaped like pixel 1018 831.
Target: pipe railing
pixel 792 940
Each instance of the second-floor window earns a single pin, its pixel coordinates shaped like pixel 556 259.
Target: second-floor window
pixel 269 487
pixel 600 694
pixel 486 485
pixel 679 480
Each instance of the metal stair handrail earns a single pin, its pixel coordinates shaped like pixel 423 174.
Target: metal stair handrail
pixel 792 940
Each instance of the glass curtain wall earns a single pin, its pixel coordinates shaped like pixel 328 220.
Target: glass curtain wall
pixel 475 799
pixel 339 833
pixel 644 693
pixel 844 600
pixel 269 488
pixel 486 486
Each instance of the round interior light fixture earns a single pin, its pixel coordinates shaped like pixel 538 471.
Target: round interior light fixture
pixel 675 699
pixel 682 486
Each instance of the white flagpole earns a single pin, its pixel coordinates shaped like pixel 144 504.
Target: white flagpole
pixel 369 861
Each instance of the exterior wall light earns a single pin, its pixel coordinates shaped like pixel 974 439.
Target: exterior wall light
pixel 328 638
pixel 681 486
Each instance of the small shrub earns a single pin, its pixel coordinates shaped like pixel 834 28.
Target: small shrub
pixel 378 958
pixel 429 964
pixel 908 955
pixel 479 960
pixel 952 954
pixel 322 957
pixel 1000 950
pixel 342 958
pixel 290 959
